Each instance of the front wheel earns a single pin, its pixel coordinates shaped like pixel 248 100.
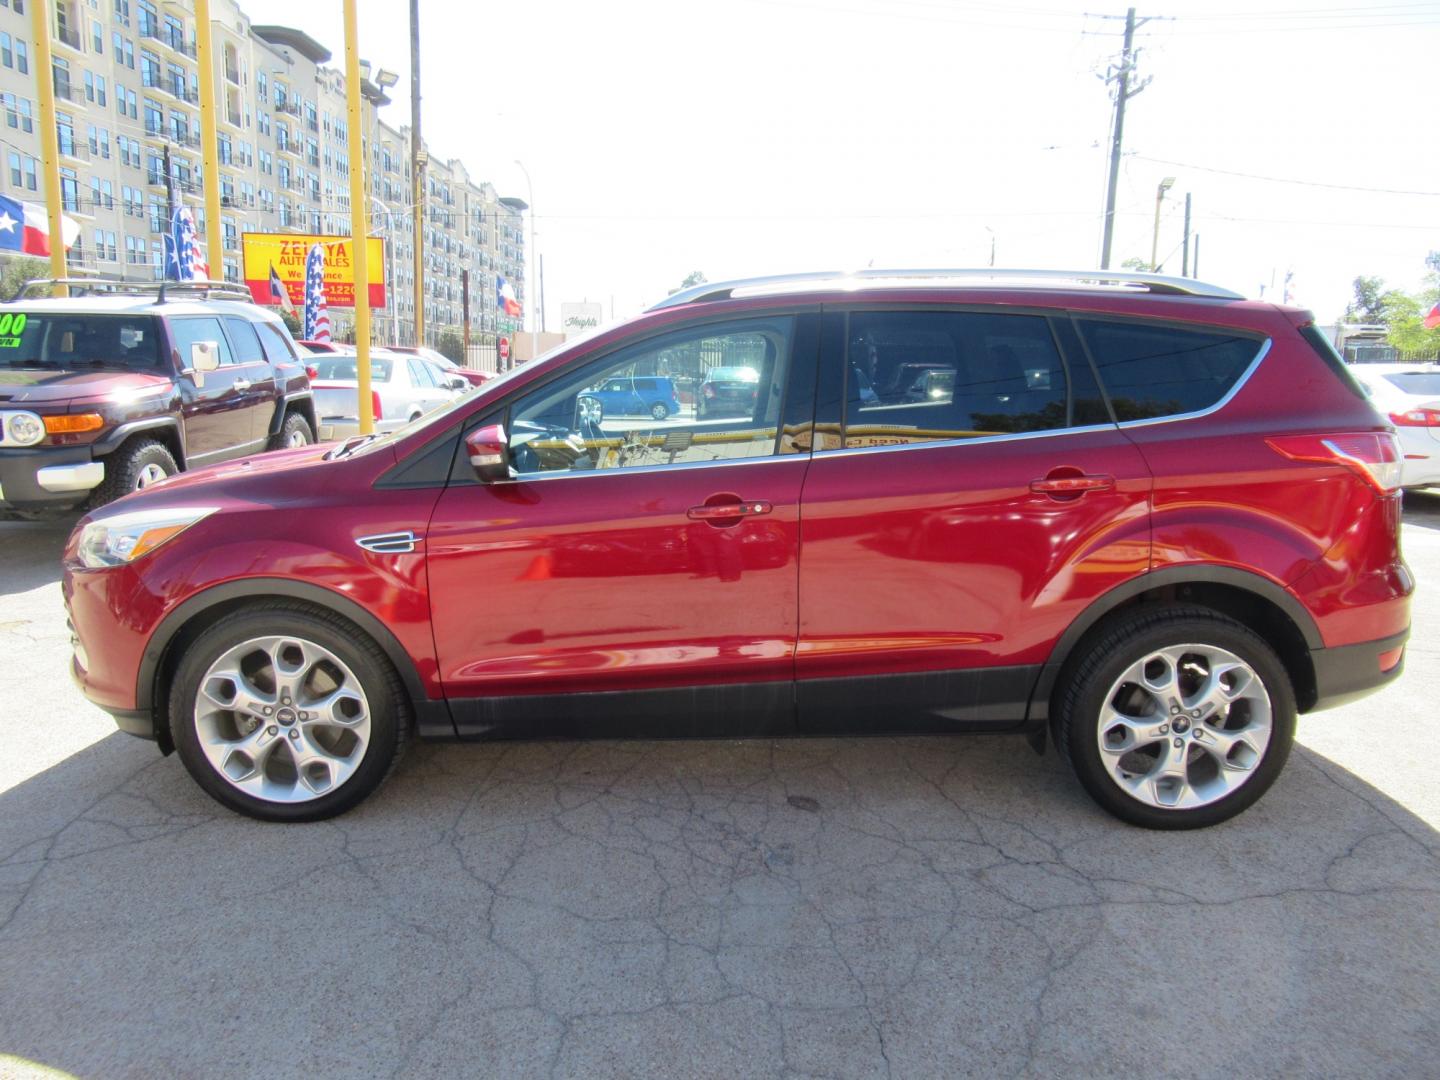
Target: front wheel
pixel 134 467
pixel 287 713
pixel 658 411
pixel 1176 718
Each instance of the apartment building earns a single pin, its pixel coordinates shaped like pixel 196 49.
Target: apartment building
pixel 127 86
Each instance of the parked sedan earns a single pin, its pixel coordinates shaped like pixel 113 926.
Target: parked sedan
pixel 1409 396
pixel 402 388
pixel 444 363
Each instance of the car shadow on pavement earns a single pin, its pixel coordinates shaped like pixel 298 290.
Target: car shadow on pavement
pixel 1422 508
pixel 30 553
pixel 904 906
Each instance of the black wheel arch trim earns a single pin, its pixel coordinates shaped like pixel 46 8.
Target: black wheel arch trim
pixel 111 442
pixel 282 408
pixel 1245 580
pixel 432 717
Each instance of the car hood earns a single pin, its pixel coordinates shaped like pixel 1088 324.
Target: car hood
pixel 46 386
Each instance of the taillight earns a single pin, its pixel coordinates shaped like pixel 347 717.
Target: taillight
pixel 708 390
pixel 311 371
pixel 1374 456
pixel 1424 417
pixel 375 411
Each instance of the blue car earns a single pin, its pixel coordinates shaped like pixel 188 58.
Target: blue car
pixel 626 395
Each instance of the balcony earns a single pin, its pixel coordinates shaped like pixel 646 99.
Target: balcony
pixel 232 72
pixel 66 36
pixel 66 91
pixel 182 93
pixel 75 150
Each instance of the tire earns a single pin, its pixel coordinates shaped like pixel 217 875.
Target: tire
pixel 658 411
pixel 134 467
pixel 295 431
pixel 347 749
pixel 1121 690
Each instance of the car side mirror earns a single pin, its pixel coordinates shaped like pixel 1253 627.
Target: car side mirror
pixel 456 382
pixel 489 451
pixel 205 355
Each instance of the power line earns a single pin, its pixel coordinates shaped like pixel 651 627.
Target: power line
pixel 1282 179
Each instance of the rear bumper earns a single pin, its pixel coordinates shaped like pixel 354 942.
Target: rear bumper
pixel 1348 672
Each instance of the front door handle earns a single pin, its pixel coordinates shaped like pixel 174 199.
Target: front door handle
pixel 1071 485
pixel 721 511
pixel 241 384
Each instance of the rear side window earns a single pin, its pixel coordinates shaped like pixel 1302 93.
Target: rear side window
pixel 1152 371
pixel 278 349
pixel 247 345
pixel 918 376
pixel 345 368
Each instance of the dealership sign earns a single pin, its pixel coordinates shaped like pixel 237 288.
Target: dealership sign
pixel 286 252
pixel 579 318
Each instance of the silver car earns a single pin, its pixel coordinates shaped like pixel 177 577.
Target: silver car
pixel 402 387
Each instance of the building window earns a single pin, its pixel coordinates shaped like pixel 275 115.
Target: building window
pixel 70 190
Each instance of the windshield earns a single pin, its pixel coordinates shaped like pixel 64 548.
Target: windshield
pixel 53 340
pixel 345 368
pixel 1423 383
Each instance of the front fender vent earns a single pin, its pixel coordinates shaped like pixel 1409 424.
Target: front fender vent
pixel 396 543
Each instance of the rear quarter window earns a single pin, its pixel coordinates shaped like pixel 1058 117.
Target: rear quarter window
pixel 1151 371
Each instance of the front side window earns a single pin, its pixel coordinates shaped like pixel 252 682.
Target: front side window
pixel 922 376
pixel 1152 370
pixel 593 418
pixel 186 332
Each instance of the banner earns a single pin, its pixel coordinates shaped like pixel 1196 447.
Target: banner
pixel 286 252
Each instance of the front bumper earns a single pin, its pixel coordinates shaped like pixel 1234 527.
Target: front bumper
pixel 47 477
pixel 1348 672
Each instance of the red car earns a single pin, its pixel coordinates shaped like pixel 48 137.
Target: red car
pixel 1140 517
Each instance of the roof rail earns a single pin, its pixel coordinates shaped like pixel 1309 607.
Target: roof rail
pixel 1155 283
pixel 119 286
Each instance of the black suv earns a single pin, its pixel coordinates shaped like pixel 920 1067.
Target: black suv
pixel 106 394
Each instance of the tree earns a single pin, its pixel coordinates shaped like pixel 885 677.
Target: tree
pixel 1135 263
pixel 1369 303
pixel 1404 314
pixel 292 323
pixel 19 269
pixel 452 346
pixel 695 277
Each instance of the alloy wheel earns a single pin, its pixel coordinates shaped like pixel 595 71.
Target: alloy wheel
pixel 1184 726
pixel 282 719
pixel 296 438
pixel 149 474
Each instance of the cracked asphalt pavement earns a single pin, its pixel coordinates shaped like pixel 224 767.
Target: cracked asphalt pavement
pixel 808 908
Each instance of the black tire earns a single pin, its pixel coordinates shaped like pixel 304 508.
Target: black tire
pixel 658 411
pixel 389 706
pixel 1102 659
pixel 128 466
pixel 295 424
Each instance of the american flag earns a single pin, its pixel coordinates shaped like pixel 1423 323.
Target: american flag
pixel 184 261
pixel 317 317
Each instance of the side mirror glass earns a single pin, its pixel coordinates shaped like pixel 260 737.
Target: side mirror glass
pixel 456 382
pixel 489 451
pixel 205 355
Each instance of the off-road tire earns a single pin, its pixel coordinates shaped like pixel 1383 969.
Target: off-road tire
pixel 126 465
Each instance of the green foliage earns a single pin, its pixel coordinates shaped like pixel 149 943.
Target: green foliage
pixel 695 277
pixel 293 323
pixel 1136 263
pixel 1369 303
pixel 15 270
pixel 452 346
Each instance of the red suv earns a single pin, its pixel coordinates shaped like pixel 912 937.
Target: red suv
pixel 1140 516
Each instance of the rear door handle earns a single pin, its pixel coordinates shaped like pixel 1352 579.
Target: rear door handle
pixel 1071 485
pixel 728 510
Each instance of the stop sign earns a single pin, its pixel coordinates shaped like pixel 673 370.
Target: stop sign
pixel 504 345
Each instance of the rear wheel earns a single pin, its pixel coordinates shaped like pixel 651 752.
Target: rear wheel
pixel 287 713
pixel 294 432
pixel 134 467
pixel 1176 718
pixel 659 411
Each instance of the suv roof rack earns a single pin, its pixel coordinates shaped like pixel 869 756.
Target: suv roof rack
pixel 221 290
pixel 1126 279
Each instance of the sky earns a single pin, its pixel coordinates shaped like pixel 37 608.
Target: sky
pixel 768 136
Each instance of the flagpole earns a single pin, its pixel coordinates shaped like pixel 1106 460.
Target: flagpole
pixel 209 152
pixel 359 209
pixel 49 140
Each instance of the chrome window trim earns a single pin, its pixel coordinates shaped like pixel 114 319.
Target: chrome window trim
pixel 570 474
pixel 1013 436
pixel 1225 400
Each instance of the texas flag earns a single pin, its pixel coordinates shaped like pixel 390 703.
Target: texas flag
pixel 505 297
pixel 25 229
pixel 1433 319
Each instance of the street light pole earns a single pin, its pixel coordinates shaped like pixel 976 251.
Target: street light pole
pixel 1165 185
pixel 392 296
pixel 533 261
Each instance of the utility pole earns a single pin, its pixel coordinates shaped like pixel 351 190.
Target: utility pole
pixel 359 235
pixel 1124 91
pixel 417 172
pixel 209 157
pixel 1197 255
pixel 49 140
pixel 541 259
pixel 1185 248
pixel 465 311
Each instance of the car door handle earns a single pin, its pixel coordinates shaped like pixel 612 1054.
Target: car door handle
pixel 1071 485
pixel 241 384
pixel 720 511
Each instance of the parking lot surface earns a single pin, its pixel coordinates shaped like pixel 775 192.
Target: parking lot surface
pixel 817 908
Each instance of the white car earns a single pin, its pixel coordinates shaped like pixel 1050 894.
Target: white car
pixel 1408 395
pixel 402 388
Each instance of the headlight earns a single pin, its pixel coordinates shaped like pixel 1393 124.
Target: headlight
pixel 123 538
pixel 24 429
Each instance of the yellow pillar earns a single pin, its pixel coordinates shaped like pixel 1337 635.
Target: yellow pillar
pixel 209 140
pixel 49 139
pixel 359 249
